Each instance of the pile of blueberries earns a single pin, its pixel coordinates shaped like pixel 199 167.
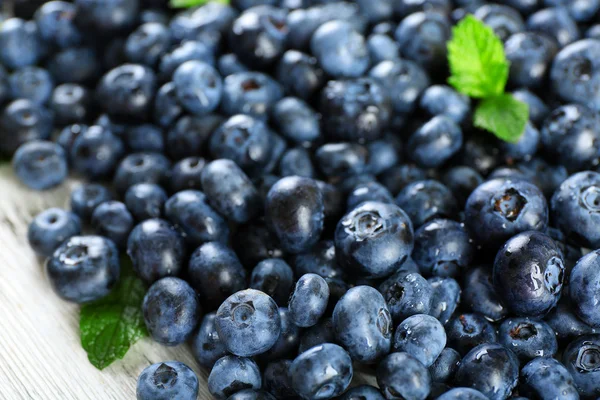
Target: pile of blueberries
pixel 308 201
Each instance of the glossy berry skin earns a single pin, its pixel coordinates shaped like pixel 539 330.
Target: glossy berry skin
pixel 167 380
pixel 296 161
pixel 96 152
pixel 479 294
pixel 199 87
pixel 530 55
pixel 525 258
pixel 547 378
pixel 299 74
pixel 382 47
pixel 216 272
pixel 319 260
pixel 422 336
pixel 20 43
pixel 463 393
pixel 490 368
pixel 322 332
pixel 186 174
pixel 374 239
pixel 40 165
pixel 171 311
pixel 355 110
pixel 407 293
pixel 207 347
pixel 166 105
pixel 206 24
pixel 56 24
pixel 294 212
pixel 274 277
pixel 230 191
pixel 443 248
pixel 445 366
pixel 363 324
pixel 296 120
pixel 98 15
pixel 231 374
pixel 466 331
pixel 308 379
pixel 556 23
pixel 581 358
pixel 445 298
pixel 189 136
pixel 50 228
pixel 538 110
pixel 86 197
pixel 251 93
pixel 74 65
pixel 340 49
pixel 398 177
pixel 461 181
pixel 583 284
pixel 401 376
pixel 443 100
pixel 228 64
pixel 190 212
pixel 564 131
pixel 156 250
pixel 426 200
pixel 342 159
pixel 70 103
pixel 23 121
pixel 113 220
pixel 371 191
pixel 253 243
pixel 127 90
pixel 500 208
pixel 525 148
pixel 566 324
pixel 32 83
pixel 435 142
pixel 289 339
pixel 308 301
pixel 527 338
pixel 362 392
pixel 422 37
pixel 504 20
pixel 84 268
pixel 147 43
pixel 145 200
pixel 141 168
pixel 277 380
pixel 251 394
pixel 248 323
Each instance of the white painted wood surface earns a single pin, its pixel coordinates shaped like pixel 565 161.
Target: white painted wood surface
pixel 40 353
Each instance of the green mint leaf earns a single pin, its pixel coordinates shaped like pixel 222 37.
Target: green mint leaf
pixel 478 65
pixel 110 326
pixel 192 3
pixel 504 116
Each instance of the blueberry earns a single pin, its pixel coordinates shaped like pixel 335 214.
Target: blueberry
pixel 114 16
pixel 186 51
pixel 583 288
pixel 32 83
pixel 277 380
pixel 555 23
pixel 251 93
pixel 70 103
pixel 186 174
pixel 422 37
pixel 50 228
pixel 462 180
pixel 86 197
pixel 582 360
pixel 580 11
pixel 388 150
pixel 113 220
pixel 56 24
pixel 274 277
pixel 167 380
pixel 198 86
pixel 422 336
pixel 245 140
pixel 230 191
pixel 96 152
pixel 205 24
pixel 254 242
pixel 141 168
pixel 407 293
pixel 40 165
pixel 294 212
pixel 189 136
pixel 546 378
pixel 258 36
pixel 504 20
pixel 382 47
pixel 374 239
pixel 191 213
pixel 490 368
pixel 207 347
pixel 319 260
pixel 466 331
pixel 166 105
pixel 248 323
pixel 127 90
pixel 538 110
pixel 23 121
pixel 229 64
pixel 443 100
pixel 371 191
pixel 308 301
pixel 528 338
pixel 231 374
pixel 308 379
pixel 147 43
pixel 530 55
pixel 445 298
pixel 546 176
pixel 279 147
pixel 479 294
pixel 216 272
pixel 440 137
pixel 74 64
pixel 20 43
pixel 500 208
pixel 296 161
pixel 363 324
pixel 156 250
pixel 251 394
pixel 84 268
pixel 525 148
pixel 426 200
pixel 171 311
pixel 529 257
pixel 480 152
pixel 145 138
pixel 445 366
pixel 463 394
pixel 403 8
pixel 593 32
pixel 401 376
pixel 398 177
pixel 342 159
pixel 299 74
pixel 288 341
pixel 322 332
pixel 295 120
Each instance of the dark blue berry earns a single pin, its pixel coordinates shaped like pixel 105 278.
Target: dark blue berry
pixel 50 228
pixel 167 380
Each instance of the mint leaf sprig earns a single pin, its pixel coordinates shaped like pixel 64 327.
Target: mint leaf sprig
pixel 192 3
pixel 479 69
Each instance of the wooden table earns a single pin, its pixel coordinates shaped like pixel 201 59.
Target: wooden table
pixel 40 353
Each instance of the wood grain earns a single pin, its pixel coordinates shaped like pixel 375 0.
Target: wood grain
pixel 40 352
